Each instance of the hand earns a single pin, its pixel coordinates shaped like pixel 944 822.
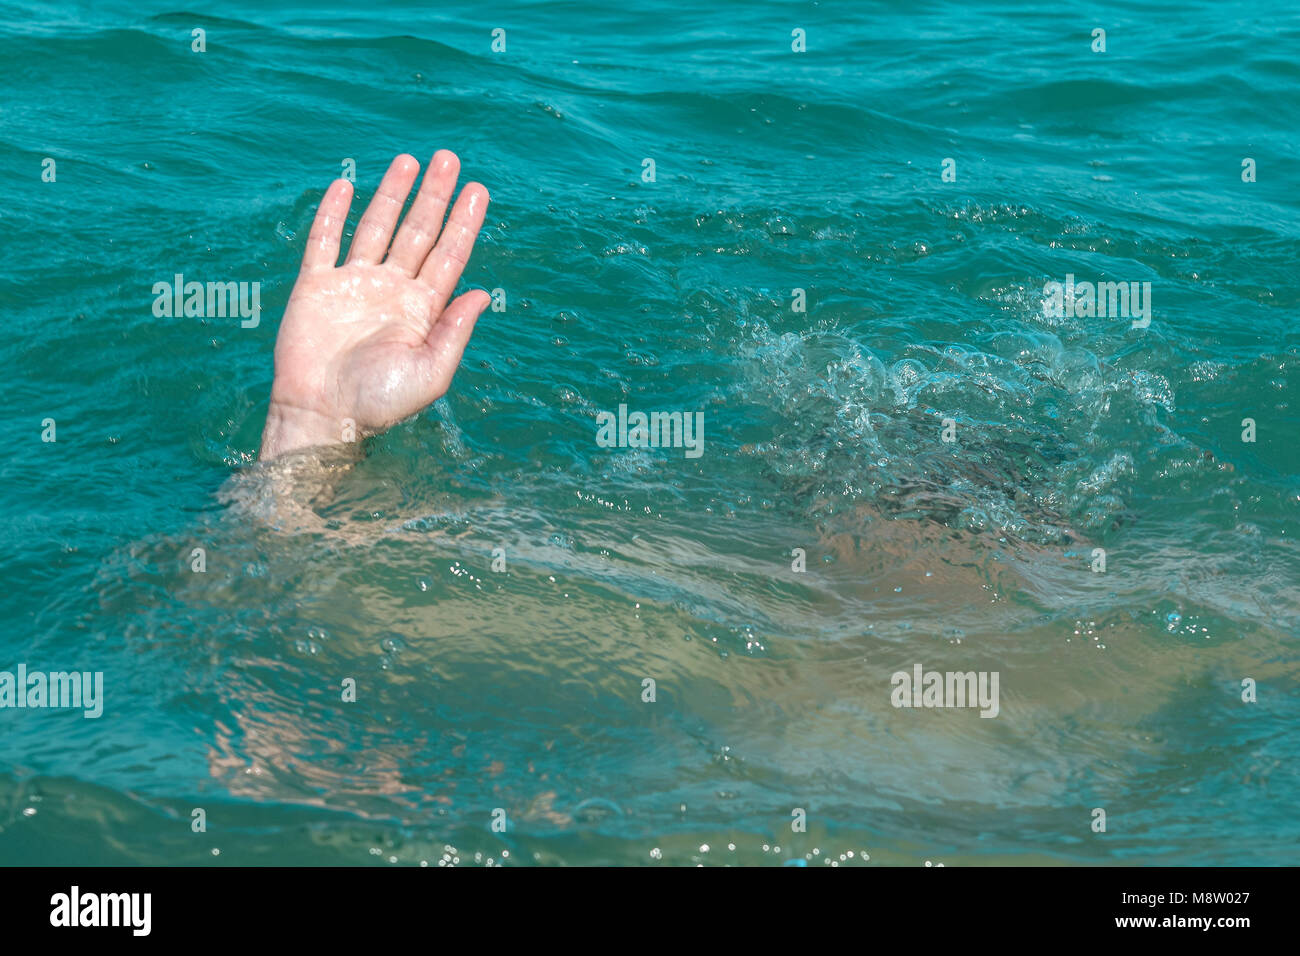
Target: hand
pixel 376 339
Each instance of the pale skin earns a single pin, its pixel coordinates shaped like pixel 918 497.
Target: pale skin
pixel 378 338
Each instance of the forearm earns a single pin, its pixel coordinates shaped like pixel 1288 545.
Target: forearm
pixel 285 491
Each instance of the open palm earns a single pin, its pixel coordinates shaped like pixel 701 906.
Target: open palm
pixel 370 342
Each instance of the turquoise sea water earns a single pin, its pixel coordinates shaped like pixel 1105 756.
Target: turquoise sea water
pixel 521 691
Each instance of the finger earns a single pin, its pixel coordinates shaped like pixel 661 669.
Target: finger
pixel 446 341
pixel 422 224
pixel 326 234
pixel 375 229
pixel 441 271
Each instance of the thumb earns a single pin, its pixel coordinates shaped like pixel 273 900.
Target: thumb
pixel 446 341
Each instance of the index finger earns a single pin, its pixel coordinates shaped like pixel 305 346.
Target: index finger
pixel 447 261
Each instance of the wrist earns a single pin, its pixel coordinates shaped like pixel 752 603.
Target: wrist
pixel 291 428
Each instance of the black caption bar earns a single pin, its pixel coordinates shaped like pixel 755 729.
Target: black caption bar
pixel 330 906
